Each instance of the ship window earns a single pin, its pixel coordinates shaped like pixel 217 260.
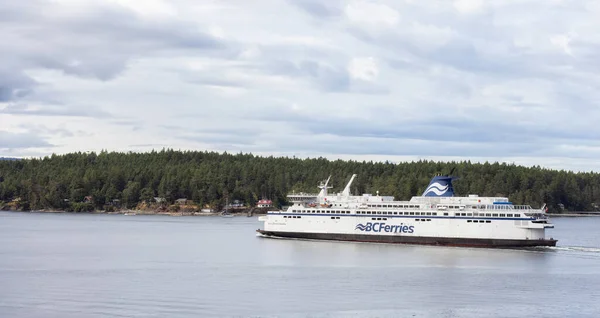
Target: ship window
pixel 412 213
pixel 374 219
pixel 495 214
pixel 488 214
pixel 474 207
pixel 446 213
pixel 469 214
pixel 368 212
pixel 509 215
pixel 299 217
pixel 428 219
pixel 395 213
pixel 379 205
pixel 337 217
pixel 488 221
pixel 468 221
pixel 384 219
pixel 422 220
pixel 417 220
pixel 517 215
pixel 333 217
pixel 502 215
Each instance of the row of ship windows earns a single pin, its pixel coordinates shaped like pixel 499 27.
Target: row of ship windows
pixel 501 215
pixel 365 212
pixel 482 207
pixel 385 219
pixel 400 206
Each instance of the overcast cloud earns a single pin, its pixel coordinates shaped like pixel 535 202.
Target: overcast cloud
pixel 514 81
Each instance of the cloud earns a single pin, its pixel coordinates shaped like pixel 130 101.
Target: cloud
pixel 404 79
pixel 54 110
pixel 89 41
pixel 14 86
pixel 318 9
pixel 363 68
pixel 9 140
pixel 371 13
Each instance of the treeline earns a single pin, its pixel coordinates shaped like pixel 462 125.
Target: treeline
pixel 207 178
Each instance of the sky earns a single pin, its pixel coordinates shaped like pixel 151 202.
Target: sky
pixel 511 81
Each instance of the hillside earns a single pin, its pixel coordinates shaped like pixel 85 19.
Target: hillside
pixel 67 181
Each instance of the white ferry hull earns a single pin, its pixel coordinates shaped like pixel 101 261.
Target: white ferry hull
pixel 435 218
pixel 421 240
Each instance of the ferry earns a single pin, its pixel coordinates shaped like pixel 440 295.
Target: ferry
pixel 437 217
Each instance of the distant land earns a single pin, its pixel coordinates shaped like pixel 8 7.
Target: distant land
pixel 8 158
pixel 113 181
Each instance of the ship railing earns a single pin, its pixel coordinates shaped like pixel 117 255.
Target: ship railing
pixel 522 207
pixel 302 194
pixel 538 215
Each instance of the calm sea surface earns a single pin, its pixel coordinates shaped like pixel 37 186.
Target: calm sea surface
pixel 66 265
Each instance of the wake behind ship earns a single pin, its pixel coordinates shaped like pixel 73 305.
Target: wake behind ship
pixel 437 217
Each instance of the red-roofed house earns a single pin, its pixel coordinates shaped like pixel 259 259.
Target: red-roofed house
pixel 264 203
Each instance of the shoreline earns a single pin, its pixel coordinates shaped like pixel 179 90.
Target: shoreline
pixel 574 214
pixel 140 212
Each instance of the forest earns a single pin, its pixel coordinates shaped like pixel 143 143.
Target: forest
pixel 64 182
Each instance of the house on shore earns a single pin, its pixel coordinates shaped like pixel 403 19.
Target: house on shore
pixel 237 204
pixel 181 201
pixel 264 203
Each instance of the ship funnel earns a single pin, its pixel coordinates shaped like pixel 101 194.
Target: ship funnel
pixel 346 191
pixel 440 186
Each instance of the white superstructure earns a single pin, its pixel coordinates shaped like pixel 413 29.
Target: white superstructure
pixel 435 217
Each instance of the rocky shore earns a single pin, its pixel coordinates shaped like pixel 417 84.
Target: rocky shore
pixel 238 212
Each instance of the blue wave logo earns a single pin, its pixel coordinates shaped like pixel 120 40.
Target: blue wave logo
pixel 361 227
pixel 436 188
pixel 439 186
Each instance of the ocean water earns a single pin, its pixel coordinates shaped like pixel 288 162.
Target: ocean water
pixel 68 265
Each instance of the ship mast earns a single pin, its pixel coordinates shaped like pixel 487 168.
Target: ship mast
pixel 324 187
pixel 346 192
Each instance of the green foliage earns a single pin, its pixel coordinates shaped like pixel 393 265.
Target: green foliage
pixel 63 181
pixel 81 207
